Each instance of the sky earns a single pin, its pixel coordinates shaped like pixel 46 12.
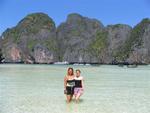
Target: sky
pixel 108 12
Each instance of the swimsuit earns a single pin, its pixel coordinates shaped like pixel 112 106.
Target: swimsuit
pixel 78 86
pixel 78 83
pixel 70 87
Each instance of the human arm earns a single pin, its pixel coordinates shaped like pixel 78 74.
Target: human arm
pixel 65 82
pixel 82 82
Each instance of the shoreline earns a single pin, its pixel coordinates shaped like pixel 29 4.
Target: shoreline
pixel 75 63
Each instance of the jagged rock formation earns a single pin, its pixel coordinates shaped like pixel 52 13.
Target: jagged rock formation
pixel 141 48
pixel 117 35
pixel 34 29
pixel 35 39
pixel 137 47
pixel 75 36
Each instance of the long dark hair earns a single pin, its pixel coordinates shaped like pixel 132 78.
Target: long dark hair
pixel 71 69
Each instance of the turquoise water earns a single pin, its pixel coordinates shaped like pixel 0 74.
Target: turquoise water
pixel 108 89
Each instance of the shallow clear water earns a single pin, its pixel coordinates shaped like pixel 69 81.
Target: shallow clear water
pixel 108 89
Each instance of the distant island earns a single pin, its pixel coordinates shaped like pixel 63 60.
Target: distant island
pixel 36 39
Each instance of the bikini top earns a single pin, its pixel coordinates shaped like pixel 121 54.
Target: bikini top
pixel 78 82
pixel 71 83
pixel 75 82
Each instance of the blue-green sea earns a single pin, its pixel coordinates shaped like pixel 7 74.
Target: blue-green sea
pixel 108 89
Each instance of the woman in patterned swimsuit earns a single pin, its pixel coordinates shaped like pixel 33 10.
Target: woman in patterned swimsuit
pixel 69 84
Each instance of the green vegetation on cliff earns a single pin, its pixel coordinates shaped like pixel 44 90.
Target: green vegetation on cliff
pixel 32 23
pixel 134 41
pixel 12 33
pixel 100 43
pixel 51 45
pixel 78 39
pixel 115 26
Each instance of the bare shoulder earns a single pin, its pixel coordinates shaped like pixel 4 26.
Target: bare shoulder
pixel 82 77
pixel 65 77
pixel 74 76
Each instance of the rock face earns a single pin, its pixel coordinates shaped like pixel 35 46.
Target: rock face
pixel 1 55
pixel 79 39
pixel 0 43
pixel 13 54
pixel 34 29
pixel 75 36
pixel 136 49
pixel 117 35
pixel 42 54
pixel 140 48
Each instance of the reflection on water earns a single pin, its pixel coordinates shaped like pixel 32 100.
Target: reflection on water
pixel 108 89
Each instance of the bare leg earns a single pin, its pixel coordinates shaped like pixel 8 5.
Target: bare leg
pixel 77 97
pixel 69 98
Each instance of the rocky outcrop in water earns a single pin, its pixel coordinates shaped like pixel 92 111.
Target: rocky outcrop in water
pixel 140 49
pixel 137 47
pixel 13 53
pixel 20 42
pixel 1 55
pixel 35 39
pixel 41 54
pixel 75 36
pixel 117 35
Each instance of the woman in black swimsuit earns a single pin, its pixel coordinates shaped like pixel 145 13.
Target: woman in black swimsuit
pixel 69 84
